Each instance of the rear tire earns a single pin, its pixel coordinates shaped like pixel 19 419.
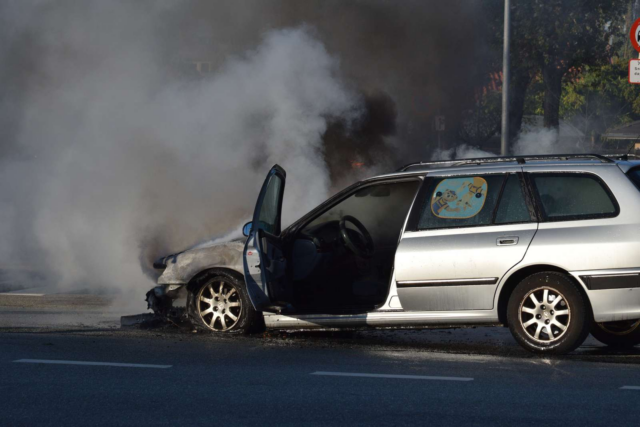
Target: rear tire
pixel 218 302
pixel 548 314
pixel 622 334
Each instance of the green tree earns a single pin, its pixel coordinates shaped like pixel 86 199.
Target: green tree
pixel 564 35
pixel 550 38
pixel 482 122
pixel 601 97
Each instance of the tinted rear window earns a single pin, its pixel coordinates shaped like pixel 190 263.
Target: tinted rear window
pixel 513 206
pixel 634 176
pixel 573 196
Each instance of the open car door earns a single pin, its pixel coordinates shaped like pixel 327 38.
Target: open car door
pixel 264 262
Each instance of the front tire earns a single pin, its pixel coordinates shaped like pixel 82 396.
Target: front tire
pixel 548 314
pixel 218 302
pixel 621 334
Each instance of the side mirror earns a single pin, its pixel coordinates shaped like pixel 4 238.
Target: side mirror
pixel 246 229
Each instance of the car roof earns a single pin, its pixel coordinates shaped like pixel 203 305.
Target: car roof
pixel 495 164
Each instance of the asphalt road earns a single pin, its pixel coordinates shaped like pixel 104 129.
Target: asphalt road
pixel 170 376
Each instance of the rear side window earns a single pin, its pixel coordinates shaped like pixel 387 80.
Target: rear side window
pixel 460 201
pixel 573 196
pixel 634 176
pixel 513 205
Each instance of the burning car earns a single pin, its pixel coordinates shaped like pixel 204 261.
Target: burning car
pixel 546 245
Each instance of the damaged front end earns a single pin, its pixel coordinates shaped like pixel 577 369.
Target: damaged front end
pixel 165 302
pixel 169 298
pixel 161 299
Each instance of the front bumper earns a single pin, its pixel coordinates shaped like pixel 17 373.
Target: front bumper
pixel 167 290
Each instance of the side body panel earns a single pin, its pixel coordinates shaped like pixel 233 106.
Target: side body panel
pixel 614 294
pixel 458 268
pixel 596 246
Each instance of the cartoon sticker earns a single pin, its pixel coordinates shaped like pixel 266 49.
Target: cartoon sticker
pixel 459 198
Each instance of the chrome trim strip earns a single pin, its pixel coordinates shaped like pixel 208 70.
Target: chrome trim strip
pixel 381 319
pixel 447 282
pixel 607 272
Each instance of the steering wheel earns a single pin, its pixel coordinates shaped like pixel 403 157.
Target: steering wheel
pixel 362 245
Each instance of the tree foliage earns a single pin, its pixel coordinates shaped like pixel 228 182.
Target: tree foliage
pixel 601 97
pixel 555 41
pixel 568 60
pixel 481 122
pixel 566 35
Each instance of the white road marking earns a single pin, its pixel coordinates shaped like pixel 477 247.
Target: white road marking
pixel 72 362
pixel 39 291
pixel 22 295
pixel 630 387
pixel 407 377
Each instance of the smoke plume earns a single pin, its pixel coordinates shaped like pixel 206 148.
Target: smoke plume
pixel 136 129
pixel 117 158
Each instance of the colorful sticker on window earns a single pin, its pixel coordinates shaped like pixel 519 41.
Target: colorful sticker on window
pixel 459 198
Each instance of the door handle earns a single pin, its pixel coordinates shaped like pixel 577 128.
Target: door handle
pixel 508 241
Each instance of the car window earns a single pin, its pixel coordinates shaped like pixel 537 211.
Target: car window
pixel 268 218
pixel 381 208
pixel 460 201
pixel 513 205
pixel 571 196
pixel 634 176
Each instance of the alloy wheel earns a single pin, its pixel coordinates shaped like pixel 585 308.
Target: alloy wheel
pixel 545 315
pixel 219 305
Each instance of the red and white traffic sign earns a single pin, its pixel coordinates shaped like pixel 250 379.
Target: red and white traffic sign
pixel 635 35
pixel 634 71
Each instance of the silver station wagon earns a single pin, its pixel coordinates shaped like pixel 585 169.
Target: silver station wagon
pixel 546 245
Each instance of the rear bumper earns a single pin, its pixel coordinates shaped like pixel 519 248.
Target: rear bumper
pixel 615 304
pixel 614 294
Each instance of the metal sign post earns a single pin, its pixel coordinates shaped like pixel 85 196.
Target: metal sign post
pixel 504 133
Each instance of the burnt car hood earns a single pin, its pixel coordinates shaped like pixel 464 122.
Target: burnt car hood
pixel 182 267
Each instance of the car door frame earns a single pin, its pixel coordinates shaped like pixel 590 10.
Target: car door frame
pixel 292 231
pixel 416 213
pixel 262 255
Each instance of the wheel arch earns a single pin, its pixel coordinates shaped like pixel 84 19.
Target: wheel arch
pixel 517 276
pixel 205 274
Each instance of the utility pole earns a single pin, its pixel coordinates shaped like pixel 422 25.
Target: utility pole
pixel 504 134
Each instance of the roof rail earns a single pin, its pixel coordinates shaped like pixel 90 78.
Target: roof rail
pixel 518 159
pixel 625 156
